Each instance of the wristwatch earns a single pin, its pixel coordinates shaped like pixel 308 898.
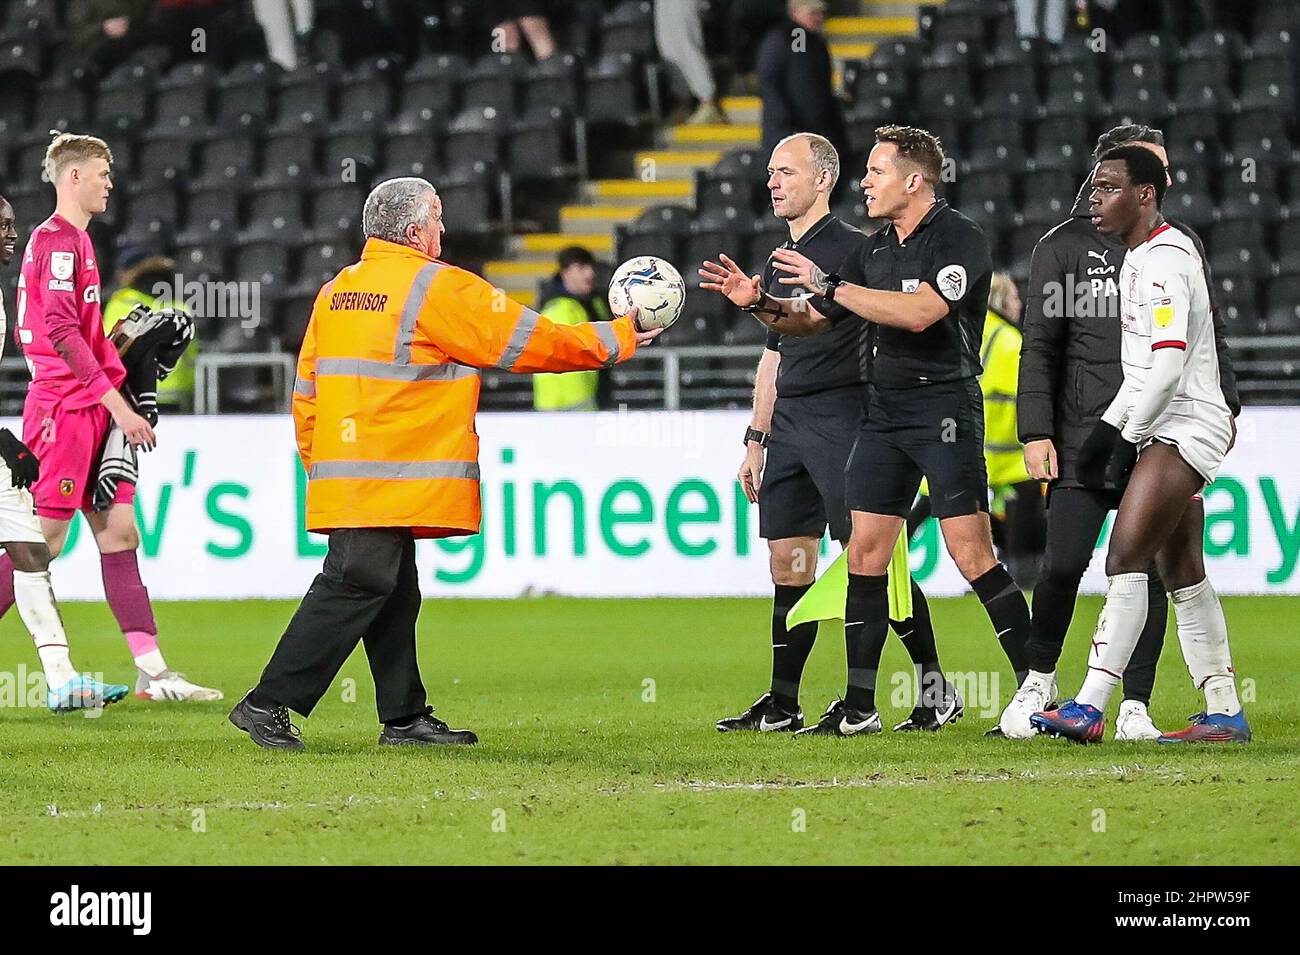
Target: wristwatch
pixel 833 282
pixel 753 434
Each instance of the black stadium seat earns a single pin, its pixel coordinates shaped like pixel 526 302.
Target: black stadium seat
pixel 556 81
pixel 336 213
pixel 493 82
pixel 613 89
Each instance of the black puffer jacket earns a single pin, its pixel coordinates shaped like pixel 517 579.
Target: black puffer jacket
pixel 1069 363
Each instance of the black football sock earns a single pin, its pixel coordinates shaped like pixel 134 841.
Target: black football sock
pixel 1009 614
pixel 1140 674
pixel 866 625
pixel 917 634
pixel 1054 598
pixel 790 648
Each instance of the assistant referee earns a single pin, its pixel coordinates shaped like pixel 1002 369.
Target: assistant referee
pixel 808 401
pixel 924 280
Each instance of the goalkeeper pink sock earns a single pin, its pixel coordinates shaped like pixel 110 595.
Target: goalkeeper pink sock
pixel 129 601
pixel 6 584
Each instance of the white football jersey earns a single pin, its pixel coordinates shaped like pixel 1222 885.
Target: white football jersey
pixel 1165 304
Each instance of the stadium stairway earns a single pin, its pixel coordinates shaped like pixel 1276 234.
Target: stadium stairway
pixel 666 175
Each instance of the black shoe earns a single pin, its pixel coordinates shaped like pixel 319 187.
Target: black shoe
pixel 425 730
pixel 995 732
pixel 269 727
pixel 934 718
pixel 765 716
pixel 840 719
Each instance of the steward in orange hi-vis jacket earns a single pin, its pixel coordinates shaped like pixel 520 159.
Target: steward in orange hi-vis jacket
pixel 384 406
pixel 388 386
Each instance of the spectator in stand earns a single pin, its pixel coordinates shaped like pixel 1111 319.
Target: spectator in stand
pixel 104 32
pixel 570 299
pixel 510 18
pixel 287 24
pixel 794 79
pixel 679 34
pixel 1041 18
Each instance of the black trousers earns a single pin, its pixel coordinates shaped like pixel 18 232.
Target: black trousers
pixel 368 591
pixel 1074 519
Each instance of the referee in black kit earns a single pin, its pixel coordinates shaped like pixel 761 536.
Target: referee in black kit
pixel 924 280
pixel 808 402
pixel 1069 373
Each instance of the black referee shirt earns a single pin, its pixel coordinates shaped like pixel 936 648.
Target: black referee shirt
pixel 837 358
pixel 950 253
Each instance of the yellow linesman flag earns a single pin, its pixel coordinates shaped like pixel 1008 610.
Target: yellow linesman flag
pixel 825 599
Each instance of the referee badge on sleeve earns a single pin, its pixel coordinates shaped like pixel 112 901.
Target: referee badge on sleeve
pixel 952 282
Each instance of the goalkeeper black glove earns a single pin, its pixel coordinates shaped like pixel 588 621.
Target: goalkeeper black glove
pixel 23 466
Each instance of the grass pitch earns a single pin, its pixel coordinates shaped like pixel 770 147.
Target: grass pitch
pixel 584 761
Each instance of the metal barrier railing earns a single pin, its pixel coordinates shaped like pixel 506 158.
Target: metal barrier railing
pixel 207 376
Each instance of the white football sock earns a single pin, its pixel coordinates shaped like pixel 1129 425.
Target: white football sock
pixel 1118 629
pixel 1203 634
pixel 1045 680
pixel 35 599
pixel 152 663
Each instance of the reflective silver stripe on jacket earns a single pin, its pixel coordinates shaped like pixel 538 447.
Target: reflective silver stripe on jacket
pixel 305 387
pixel 394 470
pixel 524 329
pixel 366 368
pixel 411 311
pixel 609 338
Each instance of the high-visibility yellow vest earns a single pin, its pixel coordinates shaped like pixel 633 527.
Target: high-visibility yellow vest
pixel 1004 455
pixel 575 391
pixel 388 386
pixel 177 389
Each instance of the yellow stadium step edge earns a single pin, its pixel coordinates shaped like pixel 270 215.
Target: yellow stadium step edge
pixel 721 135
pixel 625 191
pixel 745 110
pixel 539 246
pixel 587 219
pixel 852 51
pixel 674 163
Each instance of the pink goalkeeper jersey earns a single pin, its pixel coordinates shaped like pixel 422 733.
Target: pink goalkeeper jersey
pixel 58 299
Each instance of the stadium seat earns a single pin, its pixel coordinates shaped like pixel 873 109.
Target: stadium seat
pixel 1223 45
pixel 717 230
pixel 20 56
pixel 1196 209
pixel 629 28
pixel 1138 90
pixel 200 263
pixel 475 134
pixel 987 198
pixel 264 262
pixel 1282 306
pixel 365 105
pixel 304 96
pixel 492 83
pixel 246 93
pixel 540 145
pixel 1237 249
pixel 289 158
pixel 1256 205
pixel 1062 142
pixel 944 93
pixel 58 107
pixel 1288 245
pixel 1010 92
pixel 556 81
pixel 411 154
pixel 614 89
pixel 657 231
pixel 1020 249
pixel 872 82
pixel 151 218
pixel 161 161
pixel 1047 196
pixel 1147 47
pixel 429 91
pixel 1261 135
pixel 336 213
pixel 349 157
pixel 1203 86
pixel 1267 84
pixel 944 26
pixel 180 113
pixel 468 195
pixel 995 144
pixel 274 215
pixel 1193 138
pixel 226 160
pixel 122 104
pixel 1237 299
pixel 898 56
pixel 1073 89
pixel 320 262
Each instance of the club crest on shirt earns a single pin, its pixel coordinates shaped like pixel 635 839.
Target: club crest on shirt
pixel 67 486
pixel 61 265
pixel 952 282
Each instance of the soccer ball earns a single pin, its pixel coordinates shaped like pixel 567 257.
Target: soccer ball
pixel 652 286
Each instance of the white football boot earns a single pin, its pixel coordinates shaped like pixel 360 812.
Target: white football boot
pixel 1134 723
pixel 172 687
pixel 1033 697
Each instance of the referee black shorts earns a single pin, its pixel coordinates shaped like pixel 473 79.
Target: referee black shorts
pixel 935 431
pixel 803 482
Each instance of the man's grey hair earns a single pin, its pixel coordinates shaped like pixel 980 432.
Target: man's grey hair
pixel 395 204
pixel 824 156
